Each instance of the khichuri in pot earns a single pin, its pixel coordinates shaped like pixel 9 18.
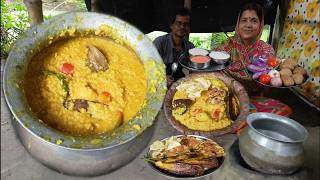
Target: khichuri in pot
pixel 85 85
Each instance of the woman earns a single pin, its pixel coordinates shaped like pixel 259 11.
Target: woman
pixel 246 46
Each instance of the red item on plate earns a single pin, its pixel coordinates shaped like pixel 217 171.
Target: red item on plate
pixel 272 62
pixel 200 59
pixel 265 79
pixel 106 97
pixel 67 69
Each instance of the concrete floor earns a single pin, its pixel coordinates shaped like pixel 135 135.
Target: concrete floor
pixel 18 164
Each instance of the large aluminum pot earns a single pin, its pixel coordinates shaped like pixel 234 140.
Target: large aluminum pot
pixel 273 144
pixel 92 155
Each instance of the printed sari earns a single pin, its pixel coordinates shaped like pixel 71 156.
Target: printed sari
pixel 300 41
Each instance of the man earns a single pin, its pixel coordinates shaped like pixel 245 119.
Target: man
pixel 173 45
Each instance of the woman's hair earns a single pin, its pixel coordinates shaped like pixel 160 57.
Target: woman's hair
pixel 253 6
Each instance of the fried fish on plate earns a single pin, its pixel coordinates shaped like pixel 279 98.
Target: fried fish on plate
pixel 185 155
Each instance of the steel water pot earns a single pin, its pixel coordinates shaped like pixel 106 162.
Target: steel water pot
pixel 273 144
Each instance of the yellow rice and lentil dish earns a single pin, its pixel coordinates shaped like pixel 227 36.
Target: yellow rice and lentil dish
pixel 204 104
pixel 85 85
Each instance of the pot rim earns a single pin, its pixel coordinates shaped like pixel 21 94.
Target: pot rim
pixel 274 117
pixel 70 148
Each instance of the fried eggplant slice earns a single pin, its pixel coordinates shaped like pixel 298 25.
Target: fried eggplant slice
pixel 182 102
pixel 76 104
pixel 182 105
pixel 205 163
pixel 234 106
pixel 181 168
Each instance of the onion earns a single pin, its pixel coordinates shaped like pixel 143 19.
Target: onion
pixel 276 81
pixel 274 73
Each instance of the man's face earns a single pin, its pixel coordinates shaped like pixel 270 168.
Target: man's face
pixel 249 25
pixel 181 26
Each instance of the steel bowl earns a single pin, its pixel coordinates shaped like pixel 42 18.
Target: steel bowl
pixel 217 59
pixel 199 65
pixel 90 155
pixel 198 51
pixel 272 144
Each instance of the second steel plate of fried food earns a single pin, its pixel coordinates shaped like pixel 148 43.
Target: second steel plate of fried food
pixel 185 156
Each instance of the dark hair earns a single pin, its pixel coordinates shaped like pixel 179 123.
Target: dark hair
pixel 253 6
pixel 180 12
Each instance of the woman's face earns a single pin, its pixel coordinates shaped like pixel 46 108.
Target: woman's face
pixel 249 25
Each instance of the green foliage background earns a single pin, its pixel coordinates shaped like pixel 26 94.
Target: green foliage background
pixel 14 22
pixel 207 41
